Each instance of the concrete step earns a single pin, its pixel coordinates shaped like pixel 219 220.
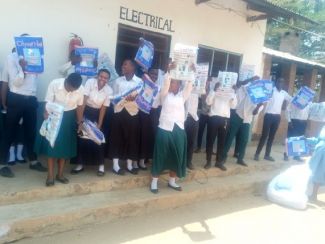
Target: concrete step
pixel 29 186
pixel 47 217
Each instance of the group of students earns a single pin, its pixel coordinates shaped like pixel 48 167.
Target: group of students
pixel 166 135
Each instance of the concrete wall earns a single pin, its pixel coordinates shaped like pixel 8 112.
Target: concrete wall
pixel 96 21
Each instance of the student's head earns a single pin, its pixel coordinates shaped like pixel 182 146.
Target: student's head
pixel 153 74
pixel 174 86
pixel 103 77
pixel 128 67
pixel 279 83
pixel 72 82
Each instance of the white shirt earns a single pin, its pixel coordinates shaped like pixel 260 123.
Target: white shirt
pixel 293 112
pixel 57 93
pixel 173 110
pixel 120 86
pixel 191 105
pixel 245 107
pixel 18 82
pixel 97 98
pixel 220 106
pixel 274 105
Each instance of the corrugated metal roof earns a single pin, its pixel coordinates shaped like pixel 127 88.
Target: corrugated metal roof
pixel 291 57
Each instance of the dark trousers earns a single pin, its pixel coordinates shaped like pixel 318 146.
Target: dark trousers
pixel 237 142
pixel 270 126
pixel 217 126
pixel 191 128
pixel 125 136
pixel 19 106
pixel 297 128
pixel 239 130
pixel 203 122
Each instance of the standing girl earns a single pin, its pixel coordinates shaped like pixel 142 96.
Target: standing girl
pixel 69 93
pixel 96 101
pixel 170 143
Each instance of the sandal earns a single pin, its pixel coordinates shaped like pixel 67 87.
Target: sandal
pixel 100 173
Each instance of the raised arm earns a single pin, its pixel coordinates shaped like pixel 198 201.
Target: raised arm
pixel 187 90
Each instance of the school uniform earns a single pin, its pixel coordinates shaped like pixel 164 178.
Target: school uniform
pixel 203 120
pixel 271 120
pixel 66 142
pixel 191 123
pixel 170 143
pixel 125 127
pixel 90 153
pixel 21 104
pixel 218 122
pixel 239 125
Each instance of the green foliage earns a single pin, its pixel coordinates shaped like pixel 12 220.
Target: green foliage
pixel 312 46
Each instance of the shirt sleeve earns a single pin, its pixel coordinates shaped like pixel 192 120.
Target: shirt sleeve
pixel 14 71
pixel 210 98
pixel 4 74
pixel 80 101
pixel 287 97
pixel 108 95
pixel 87 88
pixel 50 94
pixel 233 101
pixel 187 90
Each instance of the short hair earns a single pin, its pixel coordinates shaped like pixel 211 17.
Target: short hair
pixel 105 71
pixel 74 80
pixel 24 34
pixel 131 61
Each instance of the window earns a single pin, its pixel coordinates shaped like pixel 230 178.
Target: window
pixel 128 44
pixel 219 60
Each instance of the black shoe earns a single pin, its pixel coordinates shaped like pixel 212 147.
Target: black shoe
pixel 62 179
pixel 38 167
pixel 11 163
pixel 6 172
pixel 100 173
pixel 176 188
pixel 207 165
pixel 269 158
pixel 241 162
pixel 142 168
pixel 119 172
pixel 285 157
pixel 198 150
pixel 21 161
pixel 154 191
pixel 256 157
pixel 190 166
pixel 49 182
pixel 133 171
pixel 235 155
pixel 76 171
pixel 220 166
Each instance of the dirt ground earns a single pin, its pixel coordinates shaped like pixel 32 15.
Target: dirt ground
pixel 248 219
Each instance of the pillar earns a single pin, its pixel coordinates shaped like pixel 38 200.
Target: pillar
pixel 310 76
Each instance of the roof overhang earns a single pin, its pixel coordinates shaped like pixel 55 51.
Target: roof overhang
pixel 290 57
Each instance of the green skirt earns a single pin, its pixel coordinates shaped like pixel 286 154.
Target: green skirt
pixel 66 143
pixel 170 152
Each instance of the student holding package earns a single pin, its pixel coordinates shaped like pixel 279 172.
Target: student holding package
pixel 170 143
pixel 96 100
pixel 272 119
pixel 20 102
pixel 239 126
pixel 218 124
pixel 69 93
pixel 125 127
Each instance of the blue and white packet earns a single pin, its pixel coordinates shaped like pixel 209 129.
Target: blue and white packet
pixel 115 100
pixel 260 91
pixel 145 54
pixel 304 96
pixel 297 146
pixel 31 49
pixel 88 57
pixel 147 95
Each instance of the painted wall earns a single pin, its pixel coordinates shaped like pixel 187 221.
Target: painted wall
pixel 96 21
